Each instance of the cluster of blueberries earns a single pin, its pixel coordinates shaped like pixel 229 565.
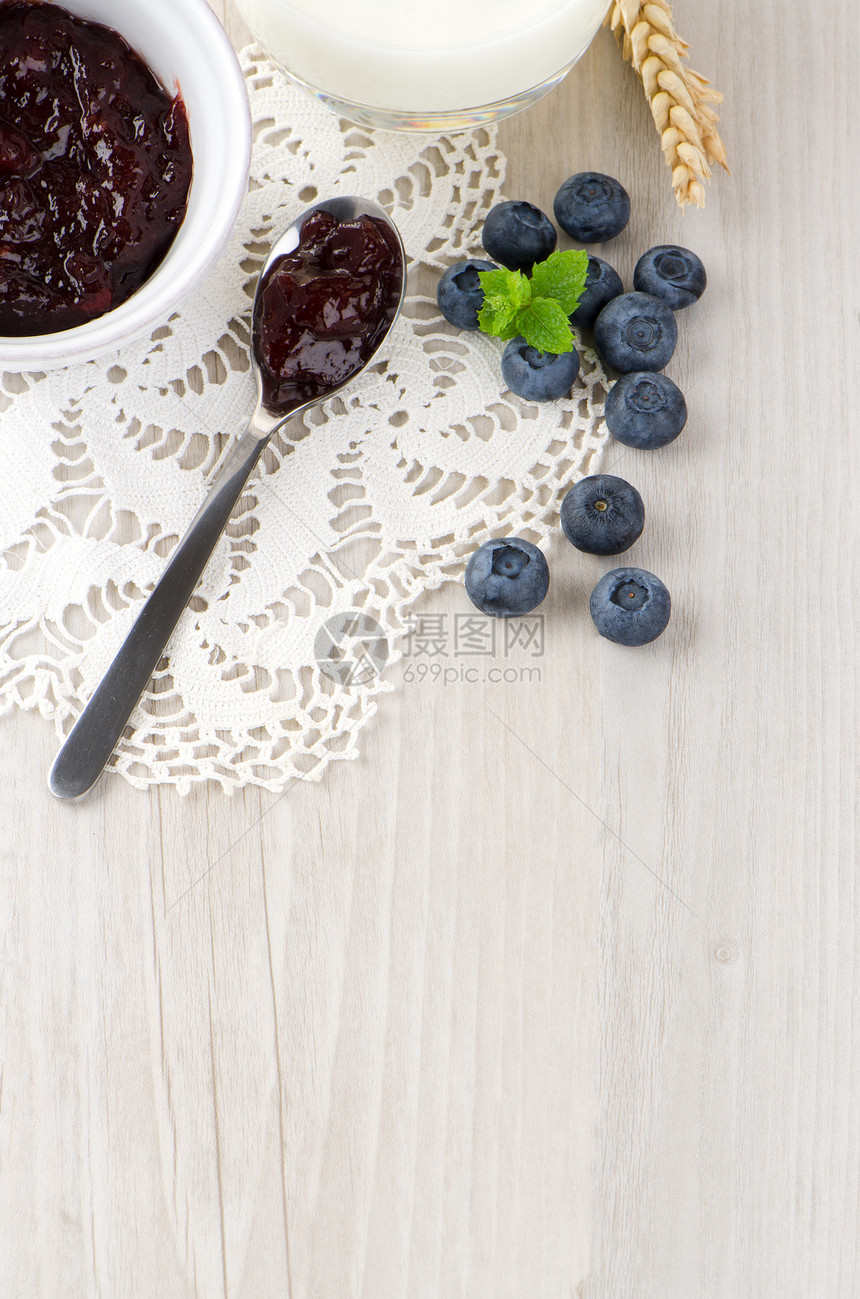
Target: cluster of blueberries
pixel 635 335
pixel 601 515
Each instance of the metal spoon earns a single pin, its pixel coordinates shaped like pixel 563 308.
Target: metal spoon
pixel 94 736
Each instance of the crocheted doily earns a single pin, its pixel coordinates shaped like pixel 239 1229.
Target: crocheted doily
pixel 354 510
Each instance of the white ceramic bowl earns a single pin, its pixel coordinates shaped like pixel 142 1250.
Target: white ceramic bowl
pixel 187 49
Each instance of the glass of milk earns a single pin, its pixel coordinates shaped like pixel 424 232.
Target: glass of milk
pixel 425 65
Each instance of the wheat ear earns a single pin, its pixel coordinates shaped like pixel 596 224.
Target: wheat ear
pixel 680 99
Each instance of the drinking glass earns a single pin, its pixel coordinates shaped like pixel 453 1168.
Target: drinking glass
pixel 417 65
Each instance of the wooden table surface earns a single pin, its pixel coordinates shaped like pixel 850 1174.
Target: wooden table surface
pixel 552 993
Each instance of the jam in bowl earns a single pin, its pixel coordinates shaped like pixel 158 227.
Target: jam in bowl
pixel 95 168
pixel 125 141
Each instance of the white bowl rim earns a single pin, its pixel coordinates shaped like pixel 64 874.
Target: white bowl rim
pixel 153 303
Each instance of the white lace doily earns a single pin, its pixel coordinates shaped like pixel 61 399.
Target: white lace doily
pixel 360 505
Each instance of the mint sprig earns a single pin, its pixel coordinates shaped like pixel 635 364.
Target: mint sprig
pixel 538 306
pixel 505 295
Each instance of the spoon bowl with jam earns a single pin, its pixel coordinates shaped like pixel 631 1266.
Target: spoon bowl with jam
pixel 327 297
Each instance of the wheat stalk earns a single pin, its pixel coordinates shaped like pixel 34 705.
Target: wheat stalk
pixel 680 99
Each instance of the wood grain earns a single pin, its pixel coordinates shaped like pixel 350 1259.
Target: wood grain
pixel 553 992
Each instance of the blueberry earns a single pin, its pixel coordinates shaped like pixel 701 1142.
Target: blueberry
pixel 673 274
pixel 635 332
pixel 518 235
pixel 645 410
pixel 459 293
pixel 592 207
pixel 602 284
pixel 630 606
pixel 602 515
pixel 507 577
pixel 536 375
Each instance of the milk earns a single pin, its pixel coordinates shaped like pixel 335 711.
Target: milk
pixel 425 57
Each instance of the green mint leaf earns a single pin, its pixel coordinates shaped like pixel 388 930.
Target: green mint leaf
pixel 510 285
pixel 562 278
pixel 505 293
pixel 495 316
pixel 544 324
pixel 510 330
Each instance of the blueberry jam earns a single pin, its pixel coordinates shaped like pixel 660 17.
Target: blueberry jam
pixel 95 166
pixel 322 310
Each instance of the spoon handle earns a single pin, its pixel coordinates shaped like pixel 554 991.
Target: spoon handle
pixel 94 736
